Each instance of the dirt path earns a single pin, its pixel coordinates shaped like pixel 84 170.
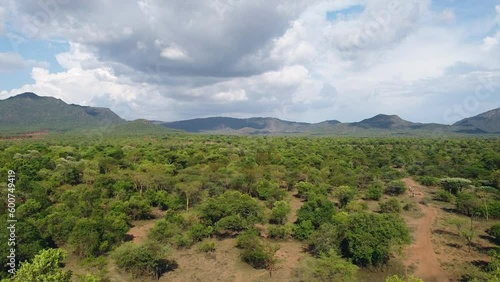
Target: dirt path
pixel 421 254
pixel 140 228
pixel 295 204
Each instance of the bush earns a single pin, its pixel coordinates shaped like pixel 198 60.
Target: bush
pixel 375 191
pixel 444 196
pixel 390 206
pixel 427 180
pixel 280 212
pixel 328 267
pixel 410 207
pixel 142 260
pixel 280 232
pixel 303 230
pixel 206 246
pixel 494 231
pixel 395 187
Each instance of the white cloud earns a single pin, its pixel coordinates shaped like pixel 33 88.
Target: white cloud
pixel 497 8
pixel 173 53
pixel 265 58
pixel 13 62
pixel 231 96
pixel 491 43
pixel 2 20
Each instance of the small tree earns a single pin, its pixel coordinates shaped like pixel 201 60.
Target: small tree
pixel 375 191
pixel 328 267
pixel 396 187
pixel 390 206
pixel 455 185
pixel 345 194
pixel 280 212
pixel 44 267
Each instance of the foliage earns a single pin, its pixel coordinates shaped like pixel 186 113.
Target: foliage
pixel 281 232
pixel 43 268
pixel 396 278
pixel 445 196
pixel 395 188
pixel 455 185
pixel 375 191
pixel 329 267
pixel 143 260
pixel 390 206
pixel 345 194
pixel 318 210
pixel 207 246
pixel 494 231
pixel 280 212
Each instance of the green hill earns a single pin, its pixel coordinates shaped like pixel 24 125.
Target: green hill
pixel 29 112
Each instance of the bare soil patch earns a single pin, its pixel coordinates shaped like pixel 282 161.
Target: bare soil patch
pixel 421 255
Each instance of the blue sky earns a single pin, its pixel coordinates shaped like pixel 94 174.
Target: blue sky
pixel 427 61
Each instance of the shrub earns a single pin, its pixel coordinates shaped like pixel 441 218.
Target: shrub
pixel 280 232
pixel 142 260
pixel 427 180
pixel 444 196
pixel 395 187
pixel 375 191
pixel 280 212
pixel 206 246
pixel 494 231
pixel 390 206
pixel 303 230
pixel 410 207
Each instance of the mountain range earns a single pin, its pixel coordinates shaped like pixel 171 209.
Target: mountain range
pixel 29 112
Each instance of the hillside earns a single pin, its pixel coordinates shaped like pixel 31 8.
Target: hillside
pixel 488 122
pixel 384 122
pixel 30 112
pixel 236 125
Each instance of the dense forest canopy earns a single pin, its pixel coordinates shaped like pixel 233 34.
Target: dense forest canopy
pixel 84 195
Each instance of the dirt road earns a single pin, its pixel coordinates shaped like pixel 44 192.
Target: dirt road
pixel 421 254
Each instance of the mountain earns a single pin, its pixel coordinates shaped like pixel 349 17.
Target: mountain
pixel 30 112
pixel 384 122
pixel 239 126
pixel 379 125
pixel 488 122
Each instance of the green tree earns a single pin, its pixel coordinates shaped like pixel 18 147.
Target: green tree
pixel 345 194
pixel 395 188
pixel 280 212
pixel 375 191
pixel 143 260
pixel 390 206
pixel 455 185
pixel 329 267
pixel 43 268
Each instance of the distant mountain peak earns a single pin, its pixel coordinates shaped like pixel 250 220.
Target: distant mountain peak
pixel 26 95
pixel 385 122
pixel 486 122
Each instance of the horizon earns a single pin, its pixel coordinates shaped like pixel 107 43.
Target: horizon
pixel 304 61
pixel 252 117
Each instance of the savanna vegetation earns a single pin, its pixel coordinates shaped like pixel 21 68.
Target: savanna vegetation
pixel 81 197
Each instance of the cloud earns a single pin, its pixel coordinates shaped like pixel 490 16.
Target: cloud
pixel 173 53
pixel 14 62
pixel 261 58
pixel 2 20
pixel 497 8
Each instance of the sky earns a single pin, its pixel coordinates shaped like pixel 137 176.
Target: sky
pixel 302 60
